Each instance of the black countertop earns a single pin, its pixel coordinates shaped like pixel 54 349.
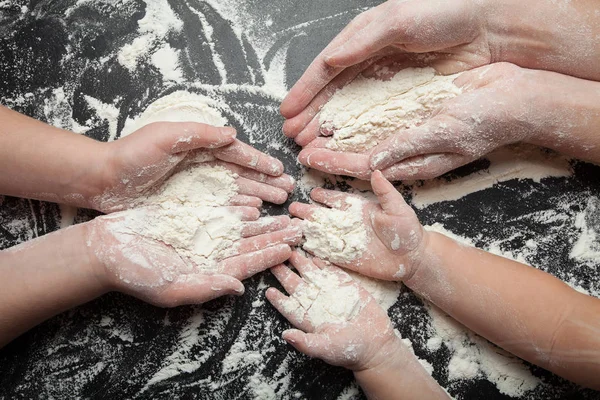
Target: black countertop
pixel 118 347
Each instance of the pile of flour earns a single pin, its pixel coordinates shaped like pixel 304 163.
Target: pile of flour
pixel 327 298
pixel 367 111
pixel 186 212
pixel 336 235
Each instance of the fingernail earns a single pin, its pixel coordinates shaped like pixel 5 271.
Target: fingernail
pixel 228 131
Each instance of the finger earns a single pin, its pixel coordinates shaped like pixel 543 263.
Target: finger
pixel 243 200
pixel 265 225
pixel 321 264
pixel 318 143
pixel 245 213
pixel 438 135
pixel 199 288
pixel 425 167
pixel 289 307
pixel 176 137
pixel 331 198
pixel 261 190
pixel 289 280
pixel 283 181
pixel 313 345
pixel 319 73
pixel 247 156
pixel 336 163
pixel 249 264
pixel 309 133
pixel 390 200
pixel 290 236
pixel 302 264
pixel 309 116
pixel 302 210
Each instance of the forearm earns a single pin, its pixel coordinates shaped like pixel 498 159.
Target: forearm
pixel 565 115
pixel 546 35
pixel 402 377
pixel 526 311
pixel 41 162
pixel 45 277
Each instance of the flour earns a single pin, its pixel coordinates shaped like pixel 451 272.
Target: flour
pixel 327 298
pixel 179 106
pixel 198 186
pixel 336 235
pixel 201 236
pixel 153 28
pixel 473 356
pixel 368 110
pixel 587 247
pixel 511 162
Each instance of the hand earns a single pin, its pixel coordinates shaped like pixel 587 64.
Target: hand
pixel 139 163
pixel 336 319
pixel 456 35
pixel 500 104
pixel 396 241
pixel 154 271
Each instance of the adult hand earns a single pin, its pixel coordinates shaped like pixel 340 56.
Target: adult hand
pixel 147 268
pixel 396 239
pixel 359 339
pixel 139 163
pixel 451 36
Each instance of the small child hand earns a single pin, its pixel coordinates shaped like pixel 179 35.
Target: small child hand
pixel 336 319
pixel 394 241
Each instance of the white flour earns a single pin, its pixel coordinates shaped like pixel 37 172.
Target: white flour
pixel 587 247
pixel 179 106
pixel 511 162
pixel 337 235
pixel 472 356
pixel 367 111
pixel 327 298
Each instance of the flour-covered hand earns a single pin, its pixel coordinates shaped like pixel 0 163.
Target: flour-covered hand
pixel 138 164
pixel 167 257
pixel 336 319
pixel 383 239
pixel 451 36
pixel 500 104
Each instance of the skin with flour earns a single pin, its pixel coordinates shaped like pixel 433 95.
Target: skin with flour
pixel 521 105
pixel 67 268
pixel 338 321
pixel 556 329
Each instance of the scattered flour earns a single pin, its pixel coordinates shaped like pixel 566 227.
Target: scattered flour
pixel 327 298
pixel 511 162
pixel 368 110
pixel 587 246
pixel 473 357
pixel 153 28
pixel 337 235
pixel 166 59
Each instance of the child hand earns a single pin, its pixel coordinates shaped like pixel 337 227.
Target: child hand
pixel 336 319
pixel 132 259
pixel 394 240
pixel 139 163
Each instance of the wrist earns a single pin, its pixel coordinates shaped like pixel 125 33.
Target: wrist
pixel 89 240
pixel 394 355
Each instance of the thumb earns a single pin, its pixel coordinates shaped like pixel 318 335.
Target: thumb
pixel 200 288
pixel 176 137
pixel 311 344
pixel 363 44
pixel 390 200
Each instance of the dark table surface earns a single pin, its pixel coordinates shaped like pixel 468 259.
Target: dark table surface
pixel 114 347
